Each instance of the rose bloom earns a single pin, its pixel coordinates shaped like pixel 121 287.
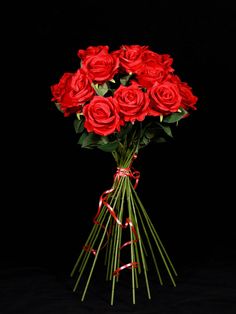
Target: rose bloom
pixel 102 116
pixel 59 89
pixel 92 51
pixel 72 92
pixel 101 67
pixel 189 100
pixel 164 99
pixel 131 57
pixel 133 102
pixel 81 87
pixel 61 95
pixel 155 68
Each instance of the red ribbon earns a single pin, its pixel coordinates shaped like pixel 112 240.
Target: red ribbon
pixel 121 172
pixel 88 248
pixel 131 264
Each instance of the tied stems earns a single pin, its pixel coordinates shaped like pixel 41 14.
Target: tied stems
pixel 115 261
pixel 120 209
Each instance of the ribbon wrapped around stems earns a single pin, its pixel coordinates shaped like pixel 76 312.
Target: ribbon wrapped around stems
pixel 122 199
pixel 121 172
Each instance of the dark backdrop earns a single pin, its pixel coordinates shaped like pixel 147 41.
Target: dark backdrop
pixel 50 186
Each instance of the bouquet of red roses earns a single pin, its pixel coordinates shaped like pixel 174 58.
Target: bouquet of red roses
pixel 122 100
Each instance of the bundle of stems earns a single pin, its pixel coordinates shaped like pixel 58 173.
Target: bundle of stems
pixel 120 212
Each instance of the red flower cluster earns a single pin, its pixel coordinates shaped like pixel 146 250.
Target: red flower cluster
pixel 149 88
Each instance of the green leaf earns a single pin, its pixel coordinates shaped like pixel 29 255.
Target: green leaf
pixel 101 89
pixel 160 140
pixel 90 140
pixel 109 147
pixel 147 135
pixel 82 137
pixel 154 132
pixel 166 129
pixel 106 144
pixel 124 130
pixel 144 141
pixel 58 106
pixel 79 125
pixel 174 117
pixel 125 79
pixel 103 140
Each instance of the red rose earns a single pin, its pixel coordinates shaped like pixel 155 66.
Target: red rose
pixel 156 68
pixel 164 99
pixel 102 116
pixel 81 87
pixel 133 102
pixel 101 67
pixel 61 94
pixel 188 99
pixel 91 51
pixel 131 57
pixel 167 61
pixel 72 92
pixel 59 89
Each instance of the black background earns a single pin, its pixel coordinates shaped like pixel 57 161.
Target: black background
pixel 50 186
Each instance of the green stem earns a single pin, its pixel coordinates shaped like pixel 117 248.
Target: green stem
pixel 89 254
pixel 157 241
pixel 123 193
pixel 140 245
pixel 95 259
pixel 94 235
pixel 162 246
pixel 95 231
pixel 120 217
pixel 132 243
pixel 149 242
pixel 113 244
pixel 115 254
pixel 110 244
pixel 90 237
pixel 111 238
